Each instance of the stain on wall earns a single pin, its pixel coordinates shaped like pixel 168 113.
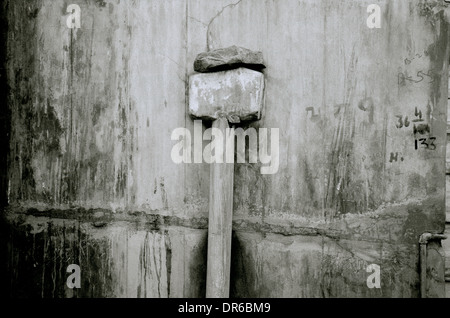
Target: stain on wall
pixel 120 260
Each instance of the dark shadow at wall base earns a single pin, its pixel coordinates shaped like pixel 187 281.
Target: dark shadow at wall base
pixel 5 128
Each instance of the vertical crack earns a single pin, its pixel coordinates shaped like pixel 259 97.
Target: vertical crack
pixel 231 5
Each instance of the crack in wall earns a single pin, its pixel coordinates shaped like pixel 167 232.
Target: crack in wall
pixel 199 21
pixel 231 5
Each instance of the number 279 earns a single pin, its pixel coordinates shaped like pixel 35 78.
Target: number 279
pixel 428 145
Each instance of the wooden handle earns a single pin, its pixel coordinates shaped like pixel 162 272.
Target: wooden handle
pixel 220 223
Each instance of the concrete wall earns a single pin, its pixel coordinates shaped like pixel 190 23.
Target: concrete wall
pixel 446 243
pixel 91 181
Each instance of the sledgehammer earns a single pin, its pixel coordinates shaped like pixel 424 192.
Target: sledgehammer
pixel 229 96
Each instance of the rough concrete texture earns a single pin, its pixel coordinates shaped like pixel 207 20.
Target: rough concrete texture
pixel 92 111
pixel 446 243
pixel 237 94
pixel 435 271
pixel 324 267
pixel 228 58
pixel 84 101
pixel 118 260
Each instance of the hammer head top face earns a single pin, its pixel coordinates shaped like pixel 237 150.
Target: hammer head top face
pixel 235 94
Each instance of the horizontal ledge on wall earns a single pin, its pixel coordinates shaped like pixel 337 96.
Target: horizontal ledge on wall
pixel 101 218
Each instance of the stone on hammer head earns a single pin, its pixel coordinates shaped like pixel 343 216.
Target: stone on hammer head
pixel 236 94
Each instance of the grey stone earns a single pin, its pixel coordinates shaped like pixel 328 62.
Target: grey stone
pixel 228 58
pixel 236 94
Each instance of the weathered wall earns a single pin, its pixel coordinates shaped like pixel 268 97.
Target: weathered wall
pixel 91 179
pixel 92 112
pixel 124 259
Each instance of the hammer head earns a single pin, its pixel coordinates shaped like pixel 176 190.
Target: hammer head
pixel 235 94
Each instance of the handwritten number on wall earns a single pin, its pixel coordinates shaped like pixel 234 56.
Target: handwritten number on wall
pixel 402 122
pixel 417 114
pixel 428 144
